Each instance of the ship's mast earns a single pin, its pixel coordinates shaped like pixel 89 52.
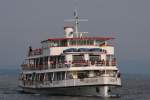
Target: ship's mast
pixel 76 20
pixel 76 24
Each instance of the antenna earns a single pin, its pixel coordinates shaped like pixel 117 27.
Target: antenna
pixel 76 20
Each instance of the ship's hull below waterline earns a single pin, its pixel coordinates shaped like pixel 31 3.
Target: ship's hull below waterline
pixel 71 91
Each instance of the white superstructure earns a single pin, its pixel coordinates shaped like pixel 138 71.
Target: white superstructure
pixel 73 65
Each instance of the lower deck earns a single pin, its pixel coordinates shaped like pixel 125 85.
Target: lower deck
pixel 103 91
pixel 97 81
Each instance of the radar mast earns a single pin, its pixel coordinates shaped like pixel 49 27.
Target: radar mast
pixel 77 20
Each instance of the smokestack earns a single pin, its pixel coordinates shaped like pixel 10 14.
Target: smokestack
pixel 68 30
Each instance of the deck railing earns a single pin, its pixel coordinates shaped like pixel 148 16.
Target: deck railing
pixel 68 65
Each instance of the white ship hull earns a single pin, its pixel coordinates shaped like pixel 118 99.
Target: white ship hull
pixel 102 91
pixel 89 88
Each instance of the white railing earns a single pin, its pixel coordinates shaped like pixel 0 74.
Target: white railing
pixel 68 65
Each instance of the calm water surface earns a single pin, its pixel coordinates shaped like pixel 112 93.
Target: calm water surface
pixel 135 87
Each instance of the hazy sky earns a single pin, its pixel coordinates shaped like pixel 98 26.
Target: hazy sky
pixel 27 22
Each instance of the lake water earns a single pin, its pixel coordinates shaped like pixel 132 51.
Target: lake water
pixel 135 87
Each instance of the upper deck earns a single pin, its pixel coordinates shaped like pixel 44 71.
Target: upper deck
pixel 56 46
pixel 78 41
pixel 72 39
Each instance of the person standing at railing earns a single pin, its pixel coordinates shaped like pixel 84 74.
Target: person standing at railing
pixel 30 51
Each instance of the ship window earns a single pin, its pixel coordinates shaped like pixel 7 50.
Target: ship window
pixel 55 76
pixel 64 43
pixel 78 57
pixel 94 57
pixel 78 42
pixel 85 42
pixel 59 76
pixel 62 75
pixel 81 42
pixel 72 42
pixel 109 57
pixel 82 74
pixel 61 59
pixel 90 42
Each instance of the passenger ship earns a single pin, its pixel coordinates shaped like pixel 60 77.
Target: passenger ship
pixel 75 64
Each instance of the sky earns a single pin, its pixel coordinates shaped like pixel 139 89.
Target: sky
pixel 28 22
